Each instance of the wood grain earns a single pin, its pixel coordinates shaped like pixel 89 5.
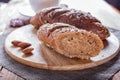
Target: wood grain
pixel 6 18
pixel 46 58
pixel 7 75
pixel 116 76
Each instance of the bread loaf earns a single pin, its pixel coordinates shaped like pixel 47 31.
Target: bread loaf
pixel 77 18
pixel 70 41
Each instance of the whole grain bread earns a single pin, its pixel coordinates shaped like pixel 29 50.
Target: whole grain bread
pixel 70 41
pixel 77 18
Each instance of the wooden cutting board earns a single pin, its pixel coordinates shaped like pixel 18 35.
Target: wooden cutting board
pixel 45 58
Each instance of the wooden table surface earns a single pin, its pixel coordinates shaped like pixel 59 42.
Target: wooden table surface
pixel 7 75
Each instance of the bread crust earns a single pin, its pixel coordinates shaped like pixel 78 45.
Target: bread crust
pixel 70 41
pixel 77 18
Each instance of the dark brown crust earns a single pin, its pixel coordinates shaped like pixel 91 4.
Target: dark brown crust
pixel 79 19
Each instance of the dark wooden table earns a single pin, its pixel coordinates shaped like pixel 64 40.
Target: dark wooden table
pixel 6 74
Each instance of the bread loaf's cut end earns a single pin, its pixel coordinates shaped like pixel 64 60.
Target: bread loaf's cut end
pixel 70 41
pixel 80 44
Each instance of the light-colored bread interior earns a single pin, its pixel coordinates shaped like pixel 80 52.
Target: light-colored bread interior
pixel 70 41
pixel 78 44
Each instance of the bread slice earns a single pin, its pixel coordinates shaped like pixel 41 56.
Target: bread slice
pixel 70 41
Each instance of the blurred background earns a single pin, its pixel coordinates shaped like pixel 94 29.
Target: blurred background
pixel 107 11
pixel 115 3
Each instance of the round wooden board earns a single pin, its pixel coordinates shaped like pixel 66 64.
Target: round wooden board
pixel 46 58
